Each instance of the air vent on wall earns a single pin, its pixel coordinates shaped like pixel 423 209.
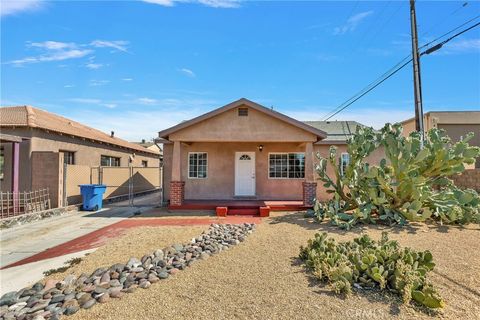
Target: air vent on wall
pixel 243 112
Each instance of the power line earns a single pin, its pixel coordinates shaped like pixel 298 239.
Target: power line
pixel 447 33
pixel 439 45
pixel 364 93
pixel 445 18
pixel 400 65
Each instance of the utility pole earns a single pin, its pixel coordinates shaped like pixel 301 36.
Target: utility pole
pixel 416 73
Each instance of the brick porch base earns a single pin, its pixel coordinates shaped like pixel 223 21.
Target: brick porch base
pixel 309 193
pixel 177 193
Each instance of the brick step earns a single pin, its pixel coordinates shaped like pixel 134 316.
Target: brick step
pixel 243 211
pixel 251 211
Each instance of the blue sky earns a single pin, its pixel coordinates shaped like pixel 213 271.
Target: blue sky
pixel 137 67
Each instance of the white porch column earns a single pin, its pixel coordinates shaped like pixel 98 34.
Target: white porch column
pixel 309 175
pixel 177 186
pixel 176 161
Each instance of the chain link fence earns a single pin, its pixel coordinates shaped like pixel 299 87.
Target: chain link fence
pixel 120 181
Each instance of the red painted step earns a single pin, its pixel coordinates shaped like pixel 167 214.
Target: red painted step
pixel 243 211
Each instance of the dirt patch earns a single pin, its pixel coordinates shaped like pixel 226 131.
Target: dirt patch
pixel 262 279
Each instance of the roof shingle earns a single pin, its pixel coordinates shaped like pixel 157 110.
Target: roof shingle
pixel 336 130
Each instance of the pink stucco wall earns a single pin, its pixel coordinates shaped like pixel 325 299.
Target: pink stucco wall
pixel 220 182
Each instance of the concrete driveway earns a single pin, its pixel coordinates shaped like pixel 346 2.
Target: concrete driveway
pixel 23 241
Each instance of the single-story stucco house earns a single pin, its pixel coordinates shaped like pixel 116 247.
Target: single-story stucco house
pixel 245 151
pixel 35 146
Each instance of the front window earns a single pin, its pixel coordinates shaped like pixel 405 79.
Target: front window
pixel 107 161
pixel 144 163
pixel 344 162
pixel 68 157
pixel 197 165
pixel 287 165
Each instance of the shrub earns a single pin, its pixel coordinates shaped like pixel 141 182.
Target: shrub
pixel 410 184
pixel 365 263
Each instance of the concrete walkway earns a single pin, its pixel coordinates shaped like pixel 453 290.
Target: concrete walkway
pixel 20 242
pixel 15 278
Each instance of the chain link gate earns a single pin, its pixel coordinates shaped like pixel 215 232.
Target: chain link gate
pixel 124 184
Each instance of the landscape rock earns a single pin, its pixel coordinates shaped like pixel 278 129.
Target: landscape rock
pixel 90 303
pixel 9 298
pixel 72 293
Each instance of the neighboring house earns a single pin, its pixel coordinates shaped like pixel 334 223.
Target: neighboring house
pixel 246 151
pixel 49 140
pixel 150 145
pixel 456 123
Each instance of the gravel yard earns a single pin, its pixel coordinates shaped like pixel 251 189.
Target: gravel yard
pixel 261 278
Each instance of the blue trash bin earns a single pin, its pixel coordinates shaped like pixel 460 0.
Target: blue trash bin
pixel 92 195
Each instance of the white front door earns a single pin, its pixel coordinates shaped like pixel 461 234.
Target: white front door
pixel 244 173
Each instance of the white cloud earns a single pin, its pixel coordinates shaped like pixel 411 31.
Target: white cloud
pixel 97 83
pixel 109 105
pixel 94 66
pixel 460 46
pixel 166 3
pixel 69 86
pixel 57 55
pixel 220 3
pixel 123 122
pixel 188 72
pixel 85 100
pixel 53 45
pixel 120 45
pixel 58 51
pixel 13 7
pixel 148 101
pixel 127 79
pixel 352 23
pixel 208 3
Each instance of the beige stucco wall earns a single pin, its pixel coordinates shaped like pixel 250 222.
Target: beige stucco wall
pixel 220 182
pixel 228 126
pixel 459 123
pixel 87 152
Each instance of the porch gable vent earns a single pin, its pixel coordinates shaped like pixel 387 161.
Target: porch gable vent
pixel 242 112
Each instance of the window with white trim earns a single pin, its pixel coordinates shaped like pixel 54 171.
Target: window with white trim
pixel 286 165
pixel 344 162
pixel 197 165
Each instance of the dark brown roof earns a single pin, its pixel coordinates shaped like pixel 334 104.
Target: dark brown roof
pixel 27 116
pixel 319 133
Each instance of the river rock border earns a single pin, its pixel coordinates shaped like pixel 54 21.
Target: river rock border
pixel 6 223
pixel 66 297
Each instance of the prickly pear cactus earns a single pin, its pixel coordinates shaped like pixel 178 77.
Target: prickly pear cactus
pixel 365 263
pixel 410 184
